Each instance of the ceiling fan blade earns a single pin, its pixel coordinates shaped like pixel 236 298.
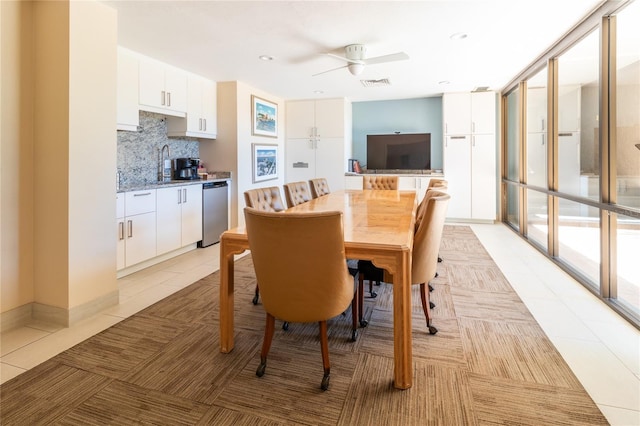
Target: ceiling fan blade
pixel 400 56
pixel 334 69
pixel 351 61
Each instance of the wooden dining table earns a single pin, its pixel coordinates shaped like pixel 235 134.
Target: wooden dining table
pixel 378 226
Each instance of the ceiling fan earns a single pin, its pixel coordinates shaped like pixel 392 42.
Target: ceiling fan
pixel 354 54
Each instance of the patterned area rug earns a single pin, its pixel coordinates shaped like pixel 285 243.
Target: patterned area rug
pixel 490 363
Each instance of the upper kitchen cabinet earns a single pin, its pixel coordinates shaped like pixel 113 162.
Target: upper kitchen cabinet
pixel 163 88
pixel 201 120
pixel 469 113
pixel 128 113
pixel 316 119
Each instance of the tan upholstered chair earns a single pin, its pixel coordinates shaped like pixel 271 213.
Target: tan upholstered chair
pixel 269 200
pixel 266 199
pixel 319 187
pixel 439 184
pixel 296 193
pixel 379 182
pixel 426 243
pixel 317 289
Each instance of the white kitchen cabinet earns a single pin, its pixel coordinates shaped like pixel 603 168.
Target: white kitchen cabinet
pixel 353 182
pixel 466 113
pixel 414 183
pixel 162 88
pixel 128 114
pixel 470 155
pixel 179 217
pixel 201 119
pixel 120 248
pixel 316 131
pixel 139 226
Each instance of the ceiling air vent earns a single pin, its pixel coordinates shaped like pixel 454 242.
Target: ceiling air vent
pixel 376 83
pixel 481 89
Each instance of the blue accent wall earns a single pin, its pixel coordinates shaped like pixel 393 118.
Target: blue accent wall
pixel 423 115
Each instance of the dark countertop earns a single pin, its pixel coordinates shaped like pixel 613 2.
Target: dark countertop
pixel 220 177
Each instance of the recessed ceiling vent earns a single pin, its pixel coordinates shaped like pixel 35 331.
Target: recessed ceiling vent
pixel 376 83
pixel 481 89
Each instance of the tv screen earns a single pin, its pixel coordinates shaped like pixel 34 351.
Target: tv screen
pixel 403 151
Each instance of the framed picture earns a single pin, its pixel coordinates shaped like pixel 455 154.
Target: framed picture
pixel 264 116
pixel 265 162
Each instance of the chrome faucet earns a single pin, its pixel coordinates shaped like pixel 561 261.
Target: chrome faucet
pixel 165 165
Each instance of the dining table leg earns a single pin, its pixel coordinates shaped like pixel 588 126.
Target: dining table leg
pixel 227 251
pixel 402 340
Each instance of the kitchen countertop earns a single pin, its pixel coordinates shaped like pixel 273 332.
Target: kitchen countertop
pixel 140 186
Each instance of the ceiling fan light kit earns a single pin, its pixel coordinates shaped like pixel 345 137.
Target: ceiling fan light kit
pixel 354 54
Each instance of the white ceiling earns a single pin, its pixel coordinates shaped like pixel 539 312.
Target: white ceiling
pixel 222 40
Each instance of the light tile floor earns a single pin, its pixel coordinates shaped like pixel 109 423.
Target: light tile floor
pixel 602 349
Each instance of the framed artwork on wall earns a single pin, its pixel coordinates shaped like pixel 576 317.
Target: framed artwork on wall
pixel 264 117
pixel 265 162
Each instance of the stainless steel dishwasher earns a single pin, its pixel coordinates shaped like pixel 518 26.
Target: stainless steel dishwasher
pixel 215 207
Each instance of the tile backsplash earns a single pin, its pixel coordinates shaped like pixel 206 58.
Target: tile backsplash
pixel 139 152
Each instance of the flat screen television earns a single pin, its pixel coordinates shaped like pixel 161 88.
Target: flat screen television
pixel 401 151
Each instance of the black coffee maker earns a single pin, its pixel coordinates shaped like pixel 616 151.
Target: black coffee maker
pixel 185 168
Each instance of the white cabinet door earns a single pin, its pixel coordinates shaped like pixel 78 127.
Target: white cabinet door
pixel 191 223
pixel 169 217
pixel 140 238
pixel 301 159
pixel 330 162
pixel 353 182
pixel 300 119
pixel 483 112
pixel 457 169
pixel 201 111
pixel 121 232
pixel 456 111
pixel 483 177
pixel 209 108
pixel 330 118
pixel 162 88
pixel 128 117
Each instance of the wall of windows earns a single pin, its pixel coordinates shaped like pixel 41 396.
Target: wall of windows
pixel 571 149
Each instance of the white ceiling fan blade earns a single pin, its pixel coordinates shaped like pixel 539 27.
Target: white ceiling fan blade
pixel 334 69
pixel 351 61
pixel 400 56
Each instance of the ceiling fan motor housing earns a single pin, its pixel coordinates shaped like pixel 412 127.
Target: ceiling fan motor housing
pixel 355 51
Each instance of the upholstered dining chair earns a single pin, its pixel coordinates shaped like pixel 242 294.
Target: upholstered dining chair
pixel 379 182
pixel 319 187
pixel 266 199
pixel 426 243
pixel 296 193
pixel 314 242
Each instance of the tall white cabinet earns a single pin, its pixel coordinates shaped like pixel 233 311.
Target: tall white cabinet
pixel 470 154
pixel 318 140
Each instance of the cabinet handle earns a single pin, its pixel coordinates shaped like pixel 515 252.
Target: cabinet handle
pixel 142 194
pixel 121 230
pixel 168 98
pixel 473 126
pixel 542 122
pixel 200 124
pixel 543 138
pixel 130 228
pixel 179 197
pixel 204 120
pixel 162 97
pixel 184 193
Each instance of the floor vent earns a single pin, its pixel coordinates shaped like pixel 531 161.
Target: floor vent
pixel 376 83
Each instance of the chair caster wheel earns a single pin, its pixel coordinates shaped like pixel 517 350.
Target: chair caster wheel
pixel 432 330
pixel 255 299
pixel 285 326
pixel 430 287
pixel 439 259
pixel 364 323
pixel 436 275
pixel 325 382
pixel 354 335
pixel 260 370
pixel 373 295
pixel 432 305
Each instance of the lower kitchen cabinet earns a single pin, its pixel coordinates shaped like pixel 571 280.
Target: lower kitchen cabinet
pixel 136 227
pixel 179 217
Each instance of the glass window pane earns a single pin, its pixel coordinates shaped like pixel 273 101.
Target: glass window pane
pixel 578 125
pixel 628 236
pixel 513 126
pixel 579 237
pixel 537 217
pixel 513 209
pixel 537 129
pixel 628 106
